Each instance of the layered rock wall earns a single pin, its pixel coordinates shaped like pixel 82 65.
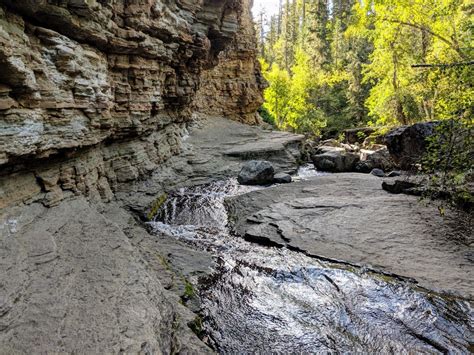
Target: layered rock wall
pixel 96 93
pixel 95 97
pixel 234 87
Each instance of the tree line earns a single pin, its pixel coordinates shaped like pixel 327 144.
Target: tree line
pixel 336 64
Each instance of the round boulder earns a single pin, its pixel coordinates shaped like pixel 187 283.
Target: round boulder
pixel 335 159
pixel 256 172
pixel 378 172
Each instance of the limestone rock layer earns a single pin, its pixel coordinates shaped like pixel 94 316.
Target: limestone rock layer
pixel 98 92
pixel 234 87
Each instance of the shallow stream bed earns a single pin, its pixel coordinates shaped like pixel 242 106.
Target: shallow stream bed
pixel 262 299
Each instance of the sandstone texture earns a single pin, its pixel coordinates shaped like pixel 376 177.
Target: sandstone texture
pixel 348 217
pixel 85 276
pixel 72 282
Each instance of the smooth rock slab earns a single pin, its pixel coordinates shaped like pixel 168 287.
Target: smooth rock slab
pixel 72 282
pixel 349 217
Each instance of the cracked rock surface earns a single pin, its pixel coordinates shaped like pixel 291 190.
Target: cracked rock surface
pixel 349 217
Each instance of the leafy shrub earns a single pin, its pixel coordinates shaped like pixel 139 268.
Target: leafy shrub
pixel 449 162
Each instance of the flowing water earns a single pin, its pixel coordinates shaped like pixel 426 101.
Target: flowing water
pixel 264 299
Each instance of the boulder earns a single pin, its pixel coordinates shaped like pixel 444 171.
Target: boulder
pixel 402 187
pixel 256 172
pixel 335 159
pixel 282 178
pixel 407 144
pixel 357 135
pixel 370 159
pixel 377 172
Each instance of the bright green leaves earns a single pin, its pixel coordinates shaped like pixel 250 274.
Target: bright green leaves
pixel 287 98
pixel 409 32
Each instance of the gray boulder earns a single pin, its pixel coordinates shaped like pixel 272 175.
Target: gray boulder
pixel 335 159
pixel 407 144
pixel 402 187
pixel 282 178
pixel 379 159
pixel 377 172
pixel 256 172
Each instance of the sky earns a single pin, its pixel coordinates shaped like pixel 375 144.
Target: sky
pixel 269 7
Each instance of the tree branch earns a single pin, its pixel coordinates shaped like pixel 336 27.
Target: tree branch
pixel 427 29
pixel 443 65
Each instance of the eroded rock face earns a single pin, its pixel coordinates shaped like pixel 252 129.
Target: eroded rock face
pixel 94 94
pixel 234 87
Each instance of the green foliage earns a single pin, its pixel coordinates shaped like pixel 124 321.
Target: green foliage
pixel 336 65
pixel 361 135
pixel 408 32
pixel 196 326
pixel 156 205
pixel 266 116
pixel 448 161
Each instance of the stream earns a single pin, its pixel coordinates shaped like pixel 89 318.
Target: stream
pixel 265 299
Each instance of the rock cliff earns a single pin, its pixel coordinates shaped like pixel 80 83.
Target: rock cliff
pixel 95 100
pixel 234 87
pixel 94 94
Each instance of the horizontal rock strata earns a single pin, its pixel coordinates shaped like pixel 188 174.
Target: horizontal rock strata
pixel 94 94
pixel 95 100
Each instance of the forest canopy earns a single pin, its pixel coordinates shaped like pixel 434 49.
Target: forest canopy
pixel 338 64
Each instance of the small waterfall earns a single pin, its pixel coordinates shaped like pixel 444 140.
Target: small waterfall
pixel 263 299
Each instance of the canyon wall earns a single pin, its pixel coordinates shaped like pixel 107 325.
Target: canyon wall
pixel 94 94
pixel 96 97
pixel 234 87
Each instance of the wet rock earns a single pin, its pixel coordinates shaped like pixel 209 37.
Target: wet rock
pixel 282 178
pixel 349 217
pixel 394 173
pixel 256 172
pixel 407 144
pixel 377 172
pixel 400 186
pixel 68 272
pixel 335 159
